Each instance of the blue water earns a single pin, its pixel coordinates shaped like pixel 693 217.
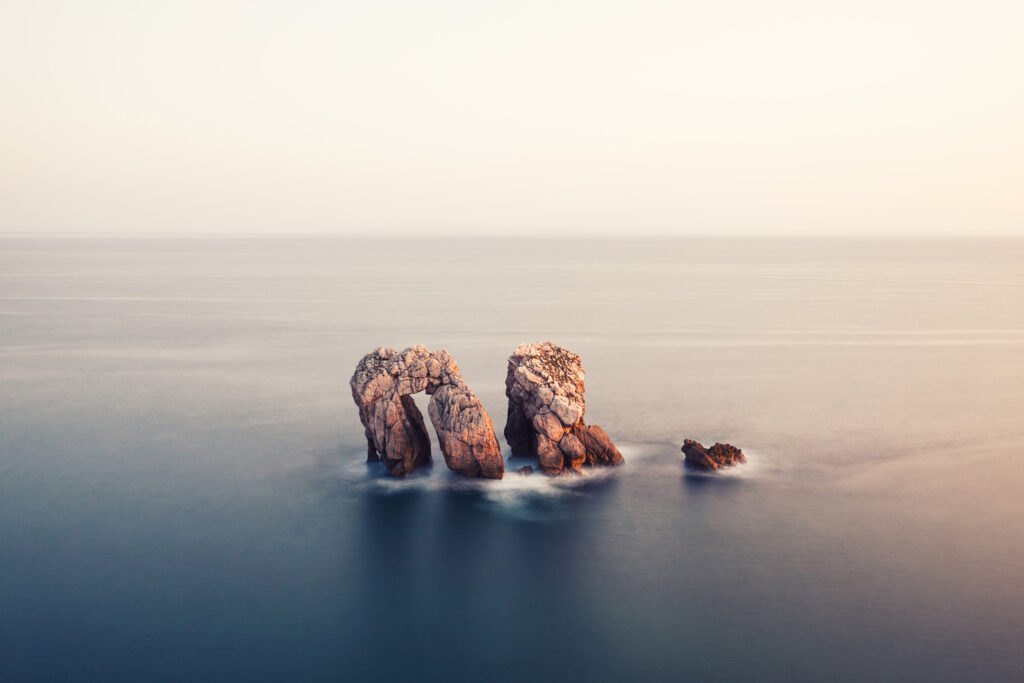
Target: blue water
pixel 183 492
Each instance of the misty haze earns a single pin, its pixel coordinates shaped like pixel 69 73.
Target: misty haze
pixel 558 341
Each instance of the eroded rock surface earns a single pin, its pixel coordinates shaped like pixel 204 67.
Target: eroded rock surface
pixel 718 456
pixel 382 387
pixel 544 386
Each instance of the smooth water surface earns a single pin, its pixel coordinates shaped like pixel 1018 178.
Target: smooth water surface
pixel 183 492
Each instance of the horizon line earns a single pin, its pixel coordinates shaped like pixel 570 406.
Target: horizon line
pixel 383 235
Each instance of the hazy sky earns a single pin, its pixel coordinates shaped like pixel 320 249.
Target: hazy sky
pixel 572 116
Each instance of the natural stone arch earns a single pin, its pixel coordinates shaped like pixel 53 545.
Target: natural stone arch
pixel 382 387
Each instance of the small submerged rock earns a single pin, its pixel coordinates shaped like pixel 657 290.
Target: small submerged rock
pixel 525 469
pixel 718 456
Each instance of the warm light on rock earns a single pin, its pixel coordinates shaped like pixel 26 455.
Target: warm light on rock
pixel 395 431
pixel 544 386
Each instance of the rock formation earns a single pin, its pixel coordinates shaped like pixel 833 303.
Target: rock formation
pixel 382 387
pixel 718 456
pixel 544 386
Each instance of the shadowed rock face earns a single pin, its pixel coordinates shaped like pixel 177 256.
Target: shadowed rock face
pixel 382 387
pixel 544 386
pixel 719 455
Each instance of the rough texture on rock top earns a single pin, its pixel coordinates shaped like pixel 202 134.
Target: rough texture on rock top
pixel 382 387
pixel 718 456
pixel 544 386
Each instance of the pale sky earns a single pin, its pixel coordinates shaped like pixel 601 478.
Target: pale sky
pixel 438 117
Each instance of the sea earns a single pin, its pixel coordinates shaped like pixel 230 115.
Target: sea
pixel 184 492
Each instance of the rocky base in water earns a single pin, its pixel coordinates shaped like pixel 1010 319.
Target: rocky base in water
pixel 718 456
pixel 545 413
pixel 544 386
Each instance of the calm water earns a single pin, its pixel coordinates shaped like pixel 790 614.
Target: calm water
pixel 183 494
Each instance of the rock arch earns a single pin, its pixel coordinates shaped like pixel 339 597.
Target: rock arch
pixel 382 387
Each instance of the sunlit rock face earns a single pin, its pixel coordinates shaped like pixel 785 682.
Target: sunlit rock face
pixel 718 456
pixel 382 387
pixel 544 386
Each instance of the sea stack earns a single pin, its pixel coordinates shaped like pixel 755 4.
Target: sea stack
pixel 718 456
pixel 544 386
pixel 382 388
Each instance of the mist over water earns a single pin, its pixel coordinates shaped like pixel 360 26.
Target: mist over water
pixel 184 493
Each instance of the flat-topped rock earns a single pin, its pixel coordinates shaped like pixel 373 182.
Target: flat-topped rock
pixel 382 388
pixel 718 456
pixel 544 386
